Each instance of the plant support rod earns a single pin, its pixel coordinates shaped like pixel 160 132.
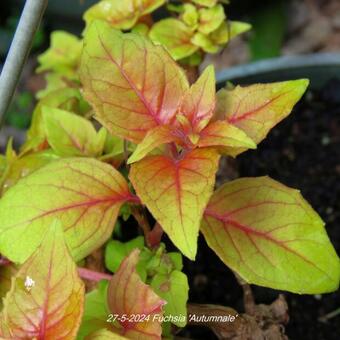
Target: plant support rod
pixel 18 52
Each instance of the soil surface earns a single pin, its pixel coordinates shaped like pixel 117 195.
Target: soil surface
pixel 302 152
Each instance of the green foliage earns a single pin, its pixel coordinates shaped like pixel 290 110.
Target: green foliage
pixel 116 251
pixel 96 311
pixel 118 134
pixel 201 27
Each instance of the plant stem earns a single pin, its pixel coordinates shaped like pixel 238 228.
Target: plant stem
pixel 92 275
pixel 94 262
pixel 248 298
pixel 330 315
pixel 155 235
pixel 139 215
pixel 18 52
pixel 4 261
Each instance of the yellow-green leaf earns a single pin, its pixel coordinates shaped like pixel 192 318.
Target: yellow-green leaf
pixel 148 6
pixel 51 308
pixel 175 35
pixel 227 31
pixel 271 236
pixel 257 108
pixel 22 166
pixel 54 81
pixel 205 43
pixel 121 14
pixel 237 28
pixel 83 193
pixel 173 288
pixel 96 312
pixel 68 99
pixel 176 192
pixel 63 56
pixel 129 100
pixel 71 135
pixel 154 138
pixel 205 3
pixel 190 15
pixel 210 19
pixel 226 137
pixel 198 102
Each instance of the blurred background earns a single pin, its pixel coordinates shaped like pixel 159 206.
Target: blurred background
pixel 289 39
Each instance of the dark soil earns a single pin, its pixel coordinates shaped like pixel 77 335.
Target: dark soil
pixel 302 152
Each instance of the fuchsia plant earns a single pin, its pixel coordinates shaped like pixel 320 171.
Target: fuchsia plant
pixel 62 195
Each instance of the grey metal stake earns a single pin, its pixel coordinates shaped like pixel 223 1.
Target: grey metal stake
pixel 19 50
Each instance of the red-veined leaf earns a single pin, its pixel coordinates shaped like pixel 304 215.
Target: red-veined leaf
pixel 176 192
pixel 128 296
pixel 52 307
pixel 196 109
pixel 271 236
pixel 129 100
pixel 257 108
pixel 85 194
pixel 227 137
pixel 154 138
pixel 198 103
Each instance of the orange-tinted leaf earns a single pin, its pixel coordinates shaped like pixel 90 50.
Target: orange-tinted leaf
pixel 128 296
pixel 198 103
pixel 257 108
pixel 227 137
pixel 154 138
pixel 52 307
pixel 271 236
pixel 85 194
pixel 129 100
pixel 176 192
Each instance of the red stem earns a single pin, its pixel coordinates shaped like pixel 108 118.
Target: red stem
pixel 134 199
pixel 92 275
pixel 4 261
pixel 155 235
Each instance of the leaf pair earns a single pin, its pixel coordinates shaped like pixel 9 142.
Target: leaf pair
pixel 152 104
